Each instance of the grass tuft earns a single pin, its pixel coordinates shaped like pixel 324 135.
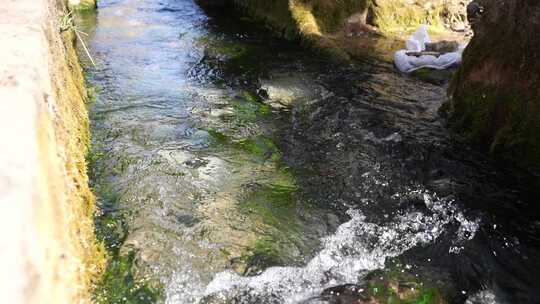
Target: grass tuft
pixel 67 24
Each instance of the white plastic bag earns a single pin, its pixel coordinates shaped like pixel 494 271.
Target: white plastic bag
pixel 417 43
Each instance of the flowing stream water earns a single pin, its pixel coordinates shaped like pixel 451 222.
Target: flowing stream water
pixel 233 167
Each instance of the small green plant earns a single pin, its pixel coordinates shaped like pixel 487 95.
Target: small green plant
pixel 67 24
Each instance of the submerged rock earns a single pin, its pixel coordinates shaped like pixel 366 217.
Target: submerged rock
pixel 382 287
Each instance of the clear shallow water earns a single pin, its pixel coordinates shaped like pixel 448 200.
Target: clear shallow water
pixel 226 192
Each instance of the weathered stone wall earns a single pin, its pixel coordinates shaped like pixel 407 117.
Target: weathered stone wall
pixel 496 94
pixel 48 253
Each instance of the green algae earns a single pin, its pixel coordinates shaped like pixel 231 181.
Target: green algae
pixel 252 97
pixel 397 285
pixel 417 295
pixel 120 285
pixel 110 224
pixel 263 254
pixel 274 203
pixel 249 109
pixel 260 146
pixel 218 138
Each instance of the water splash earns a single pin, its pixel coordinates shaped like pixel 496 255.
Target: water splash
pixel 482 297
pixel 357 247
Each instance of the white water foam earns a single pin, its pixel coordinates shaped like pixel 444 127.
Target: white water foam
pixel 483 297
pixel 356 248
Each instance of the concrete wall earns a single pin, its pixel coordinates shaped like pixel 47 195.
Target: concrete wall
pixel 48 253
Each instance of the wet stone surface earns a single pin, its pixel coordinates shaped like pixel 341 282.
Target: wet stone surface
pixel 233 168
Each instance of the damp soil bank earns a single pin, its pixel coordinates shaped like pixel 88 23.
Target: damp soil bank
pixel 234 167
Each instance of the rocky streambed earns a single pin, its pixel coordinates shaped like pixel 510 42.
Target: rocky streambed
pixel 234 167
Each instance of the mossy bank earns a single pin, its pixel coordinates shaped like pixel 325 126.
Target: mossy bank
pixel 49 253
pixel 495 96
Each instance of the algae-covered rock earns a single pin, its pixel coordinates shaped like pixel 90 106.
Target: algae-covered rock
pixel 395 286
pixel 495 97
pixel 402 287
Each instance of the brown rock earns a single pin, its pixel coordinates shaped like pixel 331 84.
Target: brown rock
pixel 443 46
pixel 496 93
